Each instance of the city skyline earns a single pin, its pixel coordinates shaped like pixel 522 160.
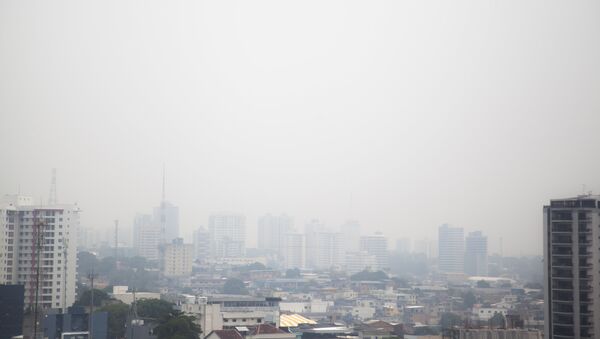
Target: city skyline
pixel 334 122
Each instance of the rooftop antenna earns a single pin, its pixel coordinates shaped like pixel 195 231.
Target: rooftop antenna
pixel 52 200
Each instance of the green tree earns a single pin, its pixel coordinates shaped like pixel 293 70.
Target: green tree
pixel 178 327
pixel 235 286
pixel 293 273
pixel 469 299
pixel 100 297
pixel 449 320
pixel 497 320
pixel 369 276
pixel 155 309
pixel 483 284
pixel 117 317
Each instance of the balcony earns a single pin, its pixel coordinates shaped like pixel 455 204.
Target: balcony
pixel 562 227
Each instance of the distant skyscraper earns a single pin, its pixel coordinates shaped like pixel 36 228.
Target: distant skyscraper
pixel 476 254
pixel 324 249
pixel 201 243
pixel 293 250
pixel 572 268
pixel 351 235
pixel 451 256
pixel 167 215
pixel 227 235
pixel 38 249
pixel 146 237
pixel 178 259
pixel 403 245
pixel 359 261
pixel 271 232
pixel 376 245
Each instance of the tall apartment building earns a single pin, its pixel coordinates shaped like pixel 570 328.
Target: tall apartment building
pixel 476 254
pixel 178 259
pixel 271 232
pixel 376 245
pixel 167 217
pixel 293 251
pixel 351 235
pixel 404 245
pixel 359 261
pixel 451 252
pixel 572 268
pixel 324 249
pixel 146 237
pixel 38 249
pixel 201 243
pixel 227 235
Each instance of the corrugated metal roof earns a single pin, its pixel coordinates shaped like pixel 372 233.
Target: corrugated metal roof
pixel 293 320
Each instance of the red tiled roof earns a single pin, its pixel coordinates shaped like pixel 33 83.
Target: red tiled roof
pixel 228 334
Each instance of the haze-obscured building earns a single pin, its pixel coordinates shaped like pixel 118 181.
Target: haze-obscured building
pixel 376 245
pixel 272 231
pixel 451 253
pixel 476 254
pixel 227 235
pixel 146 237
pixel 201 243
pixel 293 251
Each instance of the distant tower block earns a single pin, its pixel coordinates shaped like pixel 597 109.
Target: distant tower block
pixel 52 200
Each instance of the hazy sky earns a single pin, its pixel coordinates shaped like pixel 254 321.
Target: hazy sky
pixel 401 114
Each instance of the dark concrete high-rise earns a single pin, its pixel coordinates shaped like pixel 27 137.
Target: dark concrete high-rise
pixel 572 268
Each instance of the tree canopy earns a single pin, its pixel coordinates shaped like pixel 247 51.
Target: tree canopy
pixel 483 284
pixel 369 276
pixel 117 317
pixel 469 299
pixel 155 309
pixel 178 327
pixel 292 273
pixel 235 286
pixel 100 298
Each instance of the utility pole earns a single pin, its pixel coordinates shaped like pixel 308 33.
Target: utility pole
pixel 91 277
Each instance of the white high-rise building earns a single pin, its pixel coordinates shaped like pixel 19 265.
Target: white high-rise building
pixel 351 235
pixel 404 245
pixel 359 261
pixel 146 237
pixel 39 239
pixel 201 244
pixel 451 255
pixel 167 216
pixel 178 259
pixel 572 268
pixel 476 254
pixel 376 245
pixel 271 232
pixel 293 251
pixel 324 249
pixel 227 235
